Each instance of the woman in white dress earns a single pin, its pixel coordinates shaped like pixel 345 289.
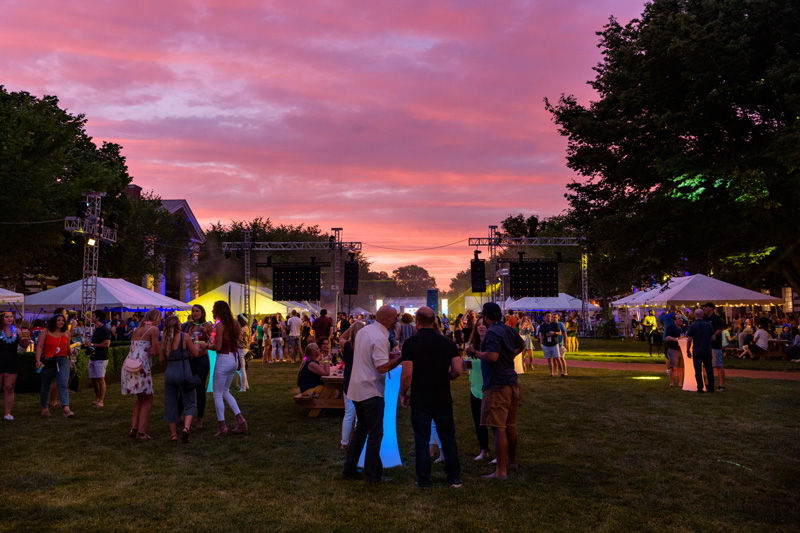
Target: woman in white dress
pixel 144 345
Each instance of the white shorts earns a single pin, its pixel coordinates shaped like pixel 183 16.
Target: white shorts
pixel 97 369
pixel 550 352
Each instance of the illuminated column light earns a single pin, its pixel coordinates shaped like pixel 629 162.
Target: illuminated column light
pixel 444 306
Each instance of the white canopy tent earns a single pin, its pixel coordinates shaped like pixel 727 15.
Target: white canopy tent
pixel 562 302
pixel 359 311
pixel 8 297
pixel 112 294
pixel 692 291
pixel 261 302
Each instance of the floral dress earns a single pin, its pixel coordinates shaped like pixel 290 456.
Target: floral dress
pixel 142 381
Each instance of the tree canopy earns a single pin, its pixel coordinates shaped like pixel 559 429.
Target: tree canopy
pixel 46 162
pixel 413 281
pixel 691 152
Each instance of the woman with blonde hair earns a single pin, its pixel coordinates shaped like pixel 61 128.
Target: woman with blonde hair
pixel 178 346
pixel 136 372
pixel 348 343
pixel 313 367
pixel 526 330
pixel 226 342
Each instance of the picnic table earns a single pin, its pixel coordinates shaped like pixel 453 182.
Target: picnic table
pixel 331 397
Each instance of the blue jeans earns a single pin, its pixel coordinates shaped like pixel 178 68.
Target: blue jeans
pixel 369 416
pixel 61 374
pixel 445 427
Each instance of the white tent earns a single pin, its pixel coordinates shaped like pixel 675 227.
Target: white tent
pixel 261 302
pixel 690 291
pixel 112 294
pixel 359 311
pixel 562 302
pixel 8 297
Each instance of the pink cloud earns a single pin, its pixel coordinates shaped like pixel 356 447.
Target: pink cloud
pixel 409 123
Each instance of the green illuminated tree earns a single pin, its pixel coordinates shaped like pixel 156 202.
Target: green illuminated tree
pixel 691 153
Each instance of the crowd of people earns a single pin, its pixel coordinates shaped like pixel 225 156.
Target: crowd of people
pixel 432 351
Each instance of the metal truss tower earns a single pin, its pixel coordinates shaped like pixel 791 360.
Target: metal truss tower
pixel 334 244
pixel 94 232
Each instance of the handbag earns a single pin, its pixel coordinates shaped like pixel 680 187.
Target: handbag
pixel 132 365
pixel 190 382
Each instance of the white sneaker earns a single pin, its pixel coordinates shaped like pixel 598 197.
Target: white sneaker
pixel 8 417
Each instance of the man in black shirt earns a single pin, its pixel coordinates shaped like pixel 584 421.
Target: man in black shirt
pixel 699 349
pixel 716 341
pixel 98 359
pixel 430 360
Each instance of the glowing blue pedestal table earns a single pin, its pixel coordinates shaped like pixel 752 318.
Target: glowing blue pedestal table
pixel 390 452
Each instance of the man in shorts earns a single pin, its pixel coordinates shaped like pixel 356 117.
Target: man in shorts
pixel 716 341
pixel 549 332
pixel 500 387
pixel 293 338
pixel 98 360
pixel 561 362
pixel 699 349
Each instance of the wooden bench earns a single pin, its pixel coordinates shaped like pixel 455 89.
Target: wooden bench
pixel 775 350
pixel 331 397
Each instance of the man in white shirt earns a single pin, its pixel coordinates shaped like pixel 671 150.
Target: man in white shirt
pixel 293 338
pixel 371 362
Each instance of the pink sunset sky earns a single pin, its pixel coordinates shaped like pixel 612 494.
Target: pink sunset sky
pixel 411 124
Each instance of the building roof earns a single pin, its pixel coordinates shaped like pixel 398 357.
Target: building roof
pixel 174 206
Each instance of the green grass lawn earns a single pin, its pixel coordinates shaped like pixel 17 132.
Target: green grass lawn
pixel 628 351
pixel 599 450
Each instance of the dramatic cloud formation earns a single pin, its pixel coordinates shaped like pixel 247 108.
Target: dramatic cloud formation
pixel 409 123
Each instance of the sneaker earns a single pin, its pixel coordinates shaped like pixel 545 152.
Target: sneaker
pixel 457 484
pixel 8 417
pixel 721 389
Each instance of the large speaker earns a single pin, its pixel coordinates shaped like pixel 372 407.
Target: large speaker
pixel 477 268
pixel 350 277
pixel 537 280
pixel 433 300
pixel 295 283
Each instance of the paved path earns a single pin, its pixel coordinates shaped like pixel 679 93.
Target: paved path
pixel 661 368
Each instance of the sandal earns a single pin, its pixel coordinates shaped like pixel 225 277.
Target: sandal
pixel 132 433
pixel 174 438
pixel 143 436
pixel 185 435
pixel 68 414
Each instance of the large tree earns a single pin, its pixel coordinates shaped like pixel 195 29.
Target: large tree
pixel 46 162
pixel 691 153
pixel 413 281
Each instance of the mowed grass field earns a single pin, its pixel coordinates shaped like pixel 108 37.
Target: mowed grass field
pixel 600 450
pixel 629 351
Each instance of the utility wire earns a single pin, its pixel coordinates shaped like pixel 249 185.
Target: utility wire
pixel 416 249
pixel 34 222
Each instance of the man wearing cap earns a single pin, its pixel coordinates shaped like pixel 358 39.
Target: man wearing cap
pixel 500 387
pixel 716 341
pixel 699 349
